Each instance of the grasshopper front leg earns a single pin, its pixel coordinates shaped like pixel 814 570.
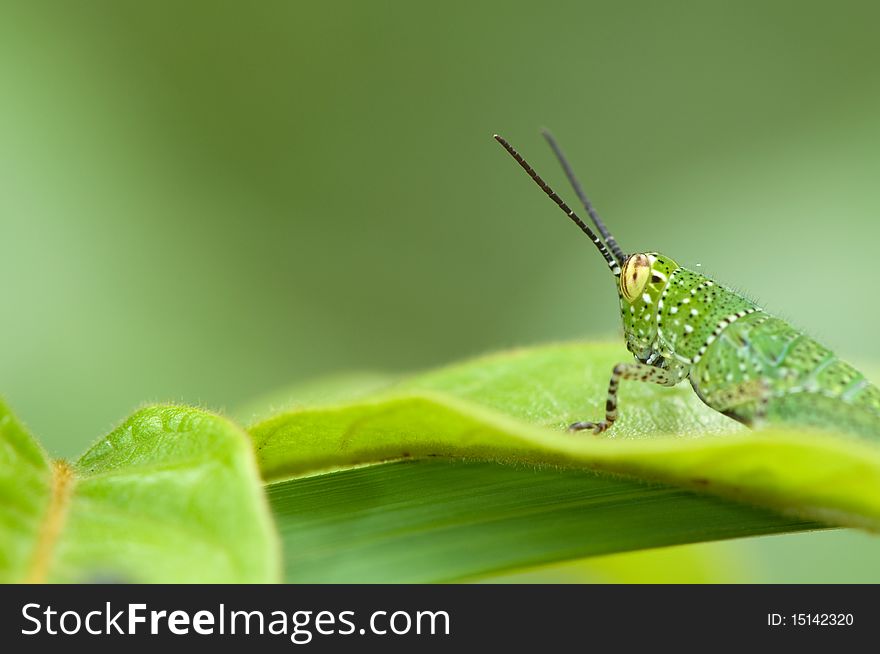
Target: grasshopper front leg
pixel 634 371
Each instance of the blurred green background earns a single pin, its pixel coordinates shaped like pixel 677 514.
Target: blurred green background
pixel 205 201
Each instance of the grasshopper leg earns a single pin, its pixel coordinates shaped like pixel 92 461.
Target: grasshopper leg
pixel 632 371
pixel 755 392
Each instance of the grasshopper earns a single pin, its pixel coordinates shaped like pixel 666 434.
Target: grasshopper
pixel 739 359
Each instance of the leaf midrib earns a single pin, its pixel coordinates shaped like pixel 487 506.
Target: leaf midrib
pixel 63 481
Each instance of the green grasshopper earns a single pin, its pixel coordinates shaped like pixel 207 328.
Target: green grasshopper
pixel 740 360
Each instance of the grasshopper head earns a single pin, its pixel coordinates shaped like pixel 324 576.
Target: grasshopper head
pixel 641 284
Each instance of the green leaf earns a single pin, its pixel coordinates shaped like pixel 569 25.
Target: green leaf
pixel 321 391
pixel 429 521
pixel 512 408
pixel 25 489
pixel 171 495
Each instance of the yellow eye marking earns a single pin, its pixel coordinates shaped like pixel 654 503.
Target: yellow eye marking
pixel 634 276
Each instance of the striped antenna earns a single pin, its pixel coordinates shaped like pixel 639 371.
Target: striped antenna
pixel 610 241
pixel 612 262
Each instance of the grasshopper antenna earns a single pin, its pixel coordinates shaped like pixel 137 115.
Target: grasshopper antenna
pixel 613 263
pixel 578 189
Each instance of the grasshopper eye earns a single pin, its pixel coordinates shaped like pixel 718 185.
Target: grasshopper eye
pixel 634 276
